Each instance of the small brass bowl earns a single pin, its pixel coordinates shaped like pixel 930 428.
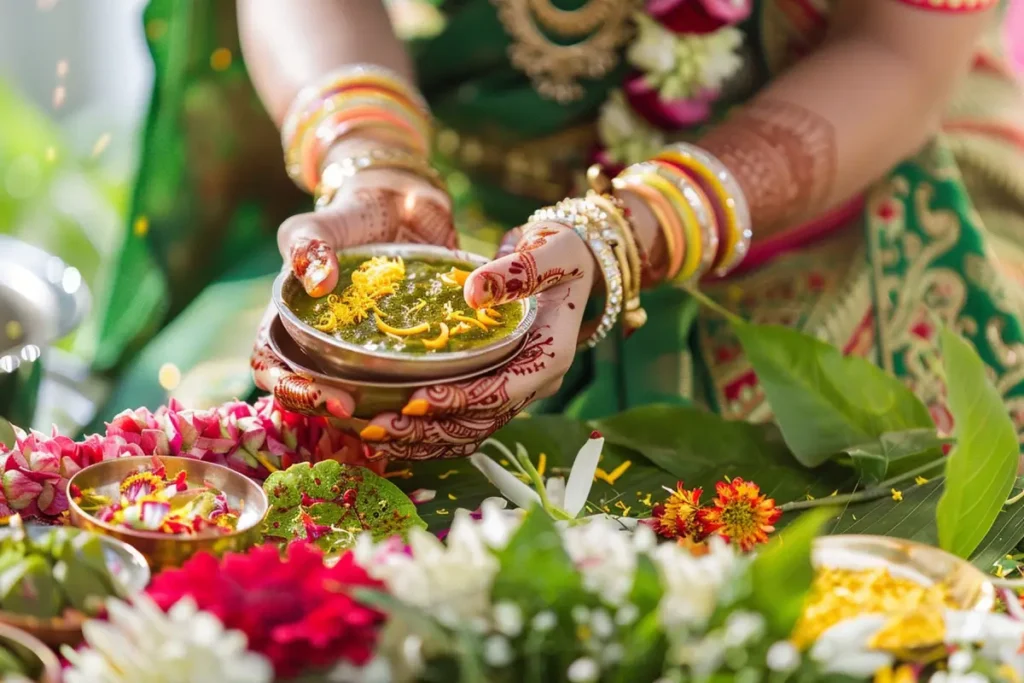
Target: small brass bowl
pixel 42 663
pixel 371 398
pixel 338 357
pixel 163 550
pixel 127 565
pixel 968 586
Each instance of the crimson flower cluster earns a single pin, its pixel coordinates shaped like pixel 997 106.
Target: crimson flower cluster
pixel 294 609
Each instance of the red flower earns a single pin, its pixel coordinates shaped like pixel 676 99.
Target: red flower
pixel 666 115
pixel 293 609
pixel 677 516
pixel 698 16
pixel 740 513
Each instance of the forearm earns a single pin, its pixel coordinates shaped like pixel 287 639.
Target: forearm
pixel 869 98
pixel 288 45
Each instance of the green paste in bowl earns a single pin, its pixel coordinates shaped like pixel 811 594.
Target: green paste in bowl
pixel 387 304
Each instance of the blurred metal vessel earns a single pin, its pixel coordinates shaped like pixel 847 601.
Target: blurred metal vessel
pixel 42 300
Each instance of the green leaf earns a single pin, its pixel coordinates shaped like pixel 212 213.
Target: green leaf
pixel 825 402
pixel 332 503
pixel 895 452
pixel 912 518
pixel 7 435
pixel 535 570
pixel 982 466
pixel 781 574
pixel 701 449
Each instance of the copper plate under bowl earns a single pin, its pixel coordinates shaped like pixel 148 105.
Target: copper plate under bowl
pixel 968 586
pixel 371 398
pixel 127 565
pixel 163 550
pixel 343 358
pixel 30 650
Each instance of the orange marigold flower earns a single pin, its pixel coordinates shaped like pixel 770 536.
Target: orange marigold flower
pixel 740 513
pixel 677 516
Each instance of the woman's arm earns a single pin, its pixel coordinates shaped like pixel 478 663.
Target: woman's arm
pixel 289 45
pixel 837 121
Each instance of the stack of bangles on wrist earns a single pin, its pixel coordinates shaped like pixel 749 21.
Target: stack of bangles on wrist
pixel 362 100
pixel 701 213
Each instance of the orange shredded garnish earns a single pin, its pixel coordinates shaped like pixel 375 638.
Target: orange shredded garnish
pixel 458 317
pixel 402 332
pixel 455 277
pixel 417 307
pixel 461 328
pixel 482 316
pixel 372 280
pixel 440 341
pixel 493 313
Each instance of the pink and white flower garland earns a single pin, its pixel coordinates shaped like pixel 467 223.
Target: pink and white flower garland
pixel 254 439
pixel 684 53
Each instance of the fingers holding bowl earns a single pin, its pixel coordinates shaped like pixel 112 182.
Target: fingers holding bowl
pixel 292 391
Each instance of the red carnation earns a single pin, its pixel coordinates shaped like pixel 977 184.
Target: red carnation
pixel 698 16
pixel 294 609
pixel 669 115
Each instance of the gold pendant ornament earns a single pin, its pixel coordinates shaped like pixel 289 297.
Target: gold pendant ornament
pixel 600 28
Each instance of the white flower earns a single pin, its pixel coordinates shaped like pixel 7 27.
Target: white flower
pixel 1000 636
pixel 626 137
pixel 654 48
pixel 843 649
pixel 694 586
pixel 782 657
pixel 605 557
pixel 454 577
pixel 141 644
pixel 682 66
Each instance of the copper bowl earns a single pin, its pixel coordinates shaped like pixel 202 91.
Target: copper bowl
pixel 124 562
pixel 371 398
pixel 163 550
pixel 968 586
pixel 42 663
pixel 352 361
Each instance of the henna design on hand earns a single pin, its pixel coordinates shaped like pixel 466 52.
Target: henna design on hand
pixel 314 263
pixel 387 215
pixel 783 155
pixel 519 279
pixel 535 239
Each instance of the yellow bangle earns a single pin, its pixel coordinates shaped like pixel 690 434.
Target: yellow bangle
pixel 670 224
pixel 691 226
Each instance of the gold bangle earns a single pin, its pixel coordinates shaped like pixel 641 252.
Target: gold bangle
pixel 337 173
pixel 620 238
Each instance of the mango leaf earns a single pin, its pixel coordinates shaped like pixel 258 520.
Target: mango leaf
pixel 7 436
pixel 330 504
pixel 896 452
pixel 981 468
pixel 701 448
pixel 825 402
pixel 781 574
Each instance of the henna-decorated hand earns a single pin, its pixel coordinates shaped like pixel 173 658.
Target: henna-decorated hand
pixel 375 206
pixel 450 420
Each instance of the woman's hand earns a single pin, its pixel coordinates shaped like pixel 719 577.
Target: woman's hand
pixel 375 206
pixel 450 420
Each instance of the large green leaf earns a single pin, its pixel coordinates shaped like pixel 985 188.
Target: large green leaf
pixel 782 573
pixel 7 437
pixel 912 517
pixel 701 448
pixel 893 453
pixel 982 466
pixel 825 402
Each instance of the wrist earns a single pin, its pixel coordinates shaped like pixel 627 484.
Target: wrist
pixel 648 235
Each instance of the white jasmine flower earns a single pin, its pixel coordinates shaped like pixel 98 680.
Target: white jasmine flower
pixel 605 557
pixel 843 649
pixel 654 47
pixel 782 657
pixel 626 137
pixel 141 644
pixel 1000 636
pixel 498 651
pixel 508 618
pixel 684 65
pixel 742 627
pixel 953 677
pixel 583 670
pixel 544 621
pixel 694 585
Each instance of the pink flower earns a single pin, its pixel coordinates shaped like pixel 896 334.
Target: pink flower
pixel 698 16
pixel 663 114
